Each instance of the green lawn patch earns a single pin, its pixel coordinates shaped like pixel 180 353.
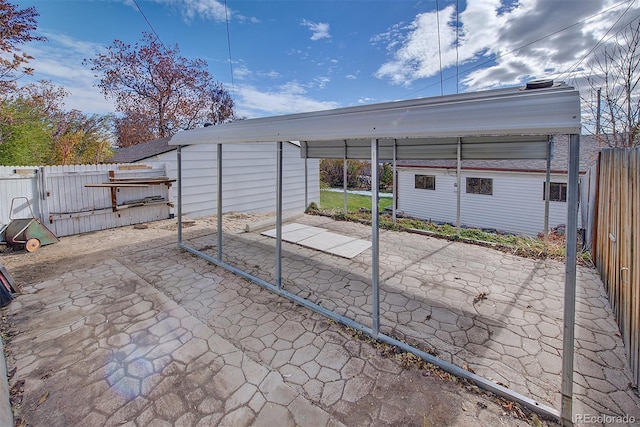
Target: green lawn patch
pixel 331 200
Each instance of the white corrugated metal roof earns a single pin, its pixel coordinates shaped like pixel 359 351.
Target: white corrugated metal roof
pixel 492 124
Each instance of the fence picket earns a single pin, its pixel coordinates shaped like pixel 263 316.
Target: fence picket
pixel 616 247
pixel 70 207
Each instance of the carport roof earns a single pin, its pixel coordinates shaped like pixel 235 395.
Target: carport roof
pixel 508 123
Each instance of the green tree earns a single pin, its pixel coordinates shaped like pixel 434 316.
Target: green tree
pixel 25 133
pixel 36 130
pixel 158 91
pixel 332 173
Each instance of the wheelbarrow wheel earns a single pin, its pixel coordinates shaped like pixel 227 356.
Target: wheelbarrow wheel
pixel 32 245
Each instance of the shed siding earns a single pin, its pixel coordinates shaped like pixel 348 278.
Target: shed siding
pixel 516 205
pixel 248 178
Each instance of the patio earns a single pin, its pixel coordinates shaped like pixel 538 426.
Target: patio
pixel 499 315
pixel 138 332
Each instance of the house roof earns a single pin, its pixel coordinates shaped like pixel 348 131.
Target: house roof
pixel 142 151
pixel 505 123
pixel 589 149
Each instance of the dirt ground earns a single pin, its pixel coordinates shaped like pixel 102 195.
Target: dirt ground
pixel 76 251
pixel 426 383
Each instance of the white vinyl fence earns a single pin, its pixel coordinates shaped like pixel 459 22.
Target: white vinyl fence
pixel 82 198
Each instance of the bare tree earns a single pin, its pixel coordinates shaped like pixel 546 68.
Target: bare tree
pixel 158 91
pixel 615 72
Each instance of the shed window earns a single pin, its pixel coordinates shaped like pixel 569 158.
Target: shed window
pixel 426 182
pixel 480 186
pixel 557 191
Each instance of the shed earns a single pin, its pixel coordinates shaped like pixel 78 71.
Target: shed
pixel 512 123
pixel 249 171
pixel 513 198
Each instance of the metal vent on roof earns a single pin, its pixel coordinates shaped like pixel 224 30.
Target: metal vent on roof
pixel 539 84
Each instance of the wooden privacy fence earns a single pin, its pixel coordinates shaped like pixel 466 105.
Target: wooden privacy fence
pixel 77 199
pixel 616 243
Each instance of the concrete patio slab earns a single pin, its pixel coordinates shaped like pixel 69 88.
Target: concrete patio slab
pixel 139 332
pixel 321 240
pixel 294 232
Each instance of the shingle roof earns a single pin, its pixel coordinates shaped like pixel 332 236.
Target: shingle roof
pixel 589 149
pixel 142 151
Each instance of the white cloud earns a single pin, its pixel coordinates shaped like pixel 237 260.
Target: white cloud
pixel 213 10
pixel 320 30
pixel 500 42
pixel 60 61
pixel 289 98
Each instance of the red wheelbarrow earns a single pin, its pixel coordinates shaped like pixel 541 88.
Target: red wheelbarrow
pixel 27 232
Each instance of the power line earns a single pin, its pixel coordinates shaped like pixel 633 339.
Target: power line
pixel 439 48
pixel 149 23
pixel 577 64
pixel 468 70
pixel 226 15
pixel 457 46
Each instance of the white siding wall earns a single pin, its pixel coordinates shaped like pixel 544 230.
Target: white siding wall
pixel 516 205
pixel 248 178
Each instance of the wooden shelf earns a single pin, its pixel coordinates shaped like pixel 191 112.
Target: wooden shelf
pixel 115 183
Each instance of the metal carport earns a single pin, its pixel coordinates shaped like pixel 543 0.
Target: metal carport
pixel 513 123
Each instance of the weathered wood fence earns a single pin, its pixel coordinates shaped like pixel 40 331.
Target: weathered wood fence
pixel 616 242
pixel 77 199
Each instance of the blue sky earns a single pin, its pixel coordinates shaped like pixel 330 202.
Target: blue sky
pixel 292 56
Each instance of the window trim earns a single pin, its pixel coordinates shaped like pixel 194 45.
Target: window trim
pixel 561 191
pixel 427 179
pixel 479 186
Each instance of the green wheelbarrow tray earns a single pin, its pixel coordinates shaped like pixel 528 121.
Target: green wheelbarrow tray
pixel 29 232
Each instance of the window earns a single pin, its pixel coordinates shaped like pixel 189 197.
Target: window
pixel 480 186
pixel 557 191
pixel 426 182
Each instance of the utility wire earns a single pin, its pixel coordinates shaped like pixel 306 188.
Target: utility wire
pixel 457 46
pixel 439 48
pixel 226 15
pixel 577 64
pixel 149 23
pixel 468 70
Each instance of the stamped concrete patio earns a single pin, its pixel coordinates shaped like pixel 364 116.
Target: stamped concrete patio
pixel 142 333
pixel 497 314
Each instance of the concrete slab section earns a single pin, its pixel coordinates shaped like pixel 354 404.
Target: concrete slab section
pixel 326 242
pixel 321 239
pixel 285 229
pixel 294 233
pixel 351 249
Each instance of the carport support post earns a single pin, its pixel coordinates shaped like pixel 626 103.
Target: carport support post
pixel 375 248
pixel 219 202
pixel 344 179
pixel 179 179
pixel 547 189
pixel 279 217
pixel 458 178
pixel 306 183
pixel 395 195
pixel 570 281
